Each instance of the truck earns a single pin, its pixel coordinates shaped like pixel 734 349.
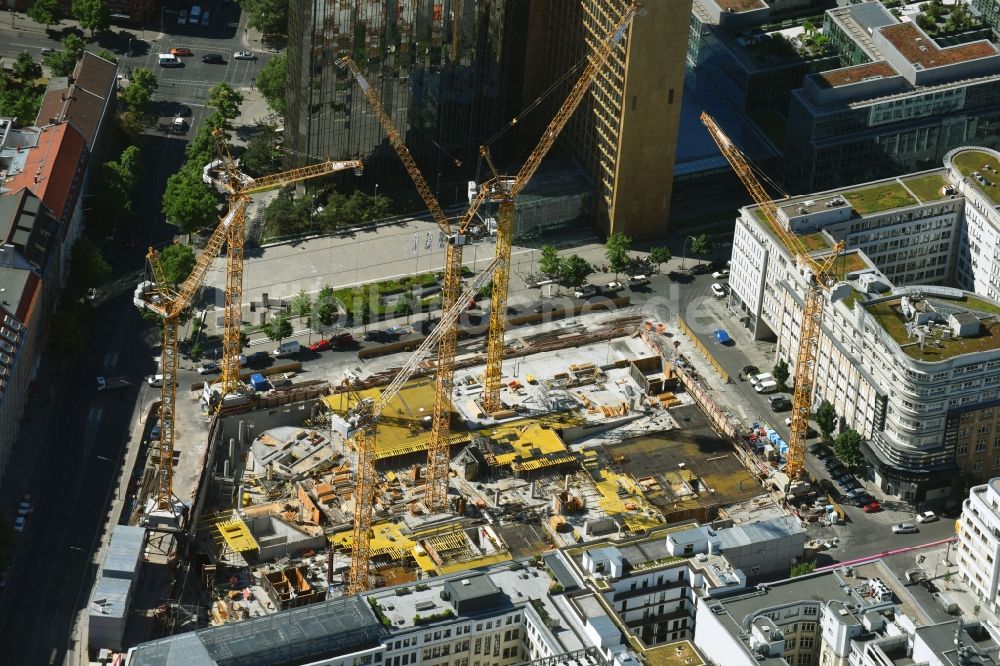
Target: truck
pixel 110 383
pixel 286 349
pixel 259 382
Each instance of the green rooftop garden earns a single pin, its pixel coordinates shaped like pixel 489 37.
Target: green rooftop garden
pixel 968 161
pixel 879 198
pixel 849 262
pixel 890 317
pixel 815 241
pixel 929 187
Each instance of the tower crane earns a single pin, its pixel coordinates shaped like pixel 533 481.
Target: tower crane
pixel 239 187
pixel 363 419
pixel 438 450
pixel 821 278
pixel 505 189
pixel 158 296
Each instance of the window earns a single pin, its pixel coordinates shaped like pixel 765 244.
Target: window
pixel 810 610
pixel 807 642
pixel 808 626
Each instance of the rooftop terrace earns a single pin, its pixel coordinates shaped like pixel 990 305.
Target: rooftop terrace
pixel 921 50
pixel 929 187
pixel 835 78
pixel 968 161
pixel 938 348
pixel 736 6
pixel 885 196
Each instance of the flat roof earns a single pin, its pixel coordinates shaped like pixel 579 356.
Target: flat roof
pixel 124 551
pixel 928 187
pixel 878 198
pixel 309 633
pixel 967 161
pixel 920 49
pixel 835 78
pixel 936 348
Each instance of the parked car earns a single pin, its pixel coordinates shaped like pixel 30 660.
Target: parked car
pixel 929 585
pixel 90 295
pixel 320 345
pixel 257 358
pixel 207 368
pixel 700 269
pixel 614 285
pixel 926 517
pixel 904 528
pixel 872 507
pixel 182 18
pixel 24 508
pixel 213 59
pixel 586 291
pixel 244 55
pixel 206 19
pixel 718 291
pixel 749 371
pixel 156 381
pixel 863 499
pixel 243 360
pixel 818 450
pixel 346 339
pixel 180 51
pixel 721 275
pixel 48 50
pixel 637 281
pixel 154 433
pixel 19 524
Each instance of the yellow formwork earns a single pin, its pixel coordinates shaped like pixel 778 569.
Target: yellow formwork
pixel 607 483
pixel 387 539
pixel 237 535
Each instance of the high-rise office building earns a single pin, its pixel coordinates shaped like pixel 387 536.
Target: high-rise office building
pixel 447 71
pixel 624 134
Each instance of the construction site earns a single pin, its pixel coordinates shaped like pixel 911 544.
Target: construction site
pixel 453 454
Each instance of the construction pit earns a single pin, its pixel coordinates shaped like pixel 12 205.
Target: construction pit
pixel 598 438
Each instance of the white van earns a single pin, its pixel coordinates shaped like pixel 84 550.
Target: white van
pixel 286 349
pixel 194 17
pixel 762 377
pixel 168 60
pixel 766 386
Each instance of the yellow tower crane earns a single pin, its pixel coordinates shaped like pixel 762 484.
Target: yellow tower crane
pixel 438 450
pixel 239 187
pixel 821 278
pixel 505 189
pixel 363 419
pixel 160 298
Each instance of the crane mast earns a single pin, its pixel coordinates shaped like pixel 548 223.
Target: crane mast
pixel 821 277
pixel 364 419
pixel 504 190
pixel 439 447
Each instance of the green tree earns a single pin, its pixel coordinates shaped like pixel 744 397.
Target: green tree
pixel 93 15
pixel 139 92
pixel 46 12
pixel 361 311
pixel 188 202
pixel 803 568
pixel 224 99
pixel 660 255
pixel 201 148
pixel 302 304
pixel 847 448
pixel 88 267
pixel 780 373
pixel 261 156
pixel 107 55
pixel 574 270
pixel 18 100
pixel 288 215
pixel 701 245
pixel 67 330
pixel 808 27
pixel 404 305
pixel 271 83
pixel 826 418
pixel 268 16
pixel 550 263
pixel 25 68
pixel 616 249
pixel 74 44
pixel 326 306
pixel 279 328
pixel 178 261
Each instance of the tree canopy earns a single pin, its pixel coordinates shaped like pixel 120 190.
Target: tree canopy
pixel 268 16
pixel 178 262
pixel 616 249
pixel 826 418
pixel 188 201
pixel 138 94
pixel 88 267
pixel 46 12
pixel 114 188
pixel 780 373
pixel 271 83
pixel 225 99
pixel 550 263
pixel 660 255
pixel 701 245
pixel 847 448
pixel 261 156
pixel 25 68
pixel 93 15
pixel 574 270
pixel 279 328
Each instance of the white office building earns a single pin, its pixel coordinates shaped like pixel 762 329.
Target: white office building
pixel 910 358
pixel 979 542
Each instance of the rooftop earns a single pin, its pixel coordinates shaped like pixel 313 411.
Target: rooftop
pixel 309 633
pixel 921 50
pixel 937 347
pixel 81 103
pixel 969 161
pixel 736 6
pixel 883 197
pixel 50 169
pixel 681 653
pixel 835 78
pixel 929 187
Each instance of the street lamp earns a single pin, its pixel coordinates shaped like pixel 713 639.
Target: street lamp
pixel 684 250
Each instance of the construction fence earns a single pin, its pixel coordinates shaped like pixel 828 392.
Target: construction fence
pixel 703 349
